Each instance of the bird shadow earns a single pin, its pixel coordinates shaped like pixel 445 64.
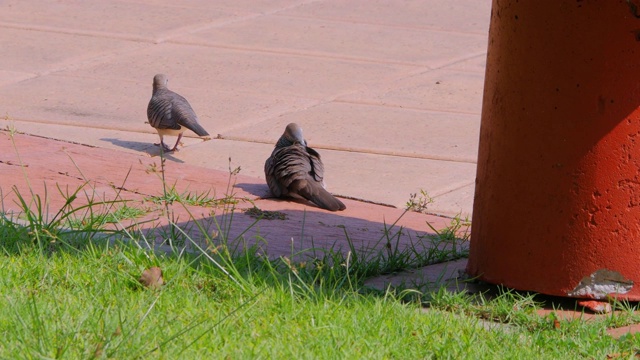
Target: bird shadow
pixel 258 190
pixel 145 147
pixel 262 191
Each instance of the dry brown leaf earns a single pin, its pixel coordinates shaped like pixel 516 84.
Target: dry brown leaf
pixel 152 278
pixel 98 352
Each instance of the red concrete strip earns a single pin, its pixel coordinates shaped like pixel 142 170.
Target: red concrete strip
pixel 41 165
pixel 621 331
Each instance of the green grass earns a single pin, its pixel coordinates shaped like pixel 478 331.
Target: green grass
pixel 70 289
pixel 187 197
pixel 170 194
pixel 85 302
pixel 81 299
pixel 419 202
pixel 102 219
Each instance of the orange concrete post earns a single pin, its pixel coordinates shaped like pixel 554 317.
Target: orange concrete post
pixel 557 203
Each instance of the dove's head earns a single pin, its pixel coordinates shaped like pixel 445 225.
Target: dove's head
pixel 293 133
pixel 160 81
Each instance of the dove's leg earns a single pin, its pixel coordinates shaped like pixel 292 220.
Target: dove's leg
pixel 175 147
pixel 164 146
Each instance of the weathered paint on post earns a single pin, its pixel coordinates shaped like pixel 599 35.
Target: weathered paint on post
pixel 557 203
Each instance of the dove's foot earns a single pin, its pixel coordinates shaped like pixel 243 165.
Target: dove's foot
pixel 164 147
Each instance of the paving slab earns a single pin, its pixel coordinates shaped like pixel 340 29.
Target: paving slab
pixel 624 331
pixel 427 278
pixel 437 90
pixel 457 202
pixel 465 16
pixel 240 70
pixel 347 71
pixel 475 64
pixel 120 103
pixel 8 77
pixel 260 7
pixel 343 40
pixel 56 99
pixel 41 52
pixel 130 19
pixel 376 129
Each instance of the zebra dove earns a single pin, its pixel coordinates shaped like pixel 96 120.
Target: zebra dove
pixel 170 114
pixel 295 170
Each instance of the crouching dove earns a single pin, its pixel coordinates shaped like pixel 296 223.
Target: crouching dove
pixel 295 170
pixel 170 113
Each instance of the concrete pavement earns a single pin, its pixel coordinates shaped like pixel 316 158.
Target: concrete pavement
pixel 389 92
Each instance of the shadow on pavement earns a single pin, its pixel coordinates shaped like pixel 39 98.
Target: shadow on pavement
pixel 259 190
pixel 148 148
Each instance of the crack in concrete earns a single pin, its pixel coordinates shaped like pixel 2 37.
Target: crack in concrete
pixel 10 163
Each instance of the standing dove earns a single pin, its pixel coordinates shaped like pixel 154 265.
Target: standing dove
pixel 295 170
pixel 170 113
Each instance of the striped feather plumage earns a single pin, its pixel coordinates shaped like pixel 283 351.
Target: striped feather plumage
pixel 296 170
pixel 170 113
